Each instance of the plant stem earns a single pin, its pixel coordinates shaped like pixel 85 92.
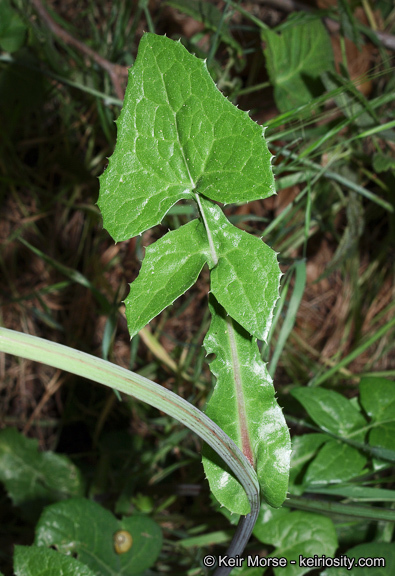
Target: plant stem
pixel 213 252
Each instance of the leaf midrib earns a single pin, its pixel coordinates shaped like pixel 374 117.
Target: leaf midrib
pixel 241 408
pixel 214 255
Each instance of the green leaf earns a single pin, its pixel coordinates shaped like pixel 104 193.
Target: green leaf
pixel 36 561
pixel 368 550
pixel 244 406
pixel 301 533
pixel 267 517
pixel 304 448
pixel 171 265
pixel 31 475
pixel 86 530
pixel 335 462
pixel 12 29
pixel 295 60
pixel 178 136
pixel 377 397
pixel 332 412
pixel 245 278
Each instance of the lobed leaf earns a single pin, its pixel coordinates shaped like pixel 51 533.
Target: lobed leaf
pixel 171 265
pixel 178 136
pixel 246 277
pixel 244 406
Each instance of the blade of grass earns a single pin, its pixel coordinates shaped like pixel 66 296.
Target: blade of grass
pixel 74 275
pixel 354 354
pixel 358 493
pixel 342 180
pixel 289 321
pixel 108 99
pixel 322 506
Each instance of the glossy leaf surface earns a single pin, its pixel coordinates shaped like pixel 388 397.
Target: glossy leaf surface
pixel 336 462
pixel 244 406
pixel 246 278
pixel 332 412
pixel 178 135
pixel 171 265
pixel 85 529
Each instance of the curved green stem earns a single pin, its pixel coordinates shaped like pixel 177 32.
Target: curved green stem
pixel 118 378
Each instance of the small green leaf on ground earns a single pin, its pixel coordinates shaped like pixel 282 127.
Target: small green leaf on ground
pixel 29 475
pixel 295 60
pixel 85 529
pixel 301 533
pixel 332 412
pixel 304 448
pixel 335 462
pixel 37 561
pixel 266 518
pixel 382 163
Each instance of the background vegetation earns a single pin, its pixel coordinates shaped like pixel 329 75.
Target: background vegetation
pixel 329 108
